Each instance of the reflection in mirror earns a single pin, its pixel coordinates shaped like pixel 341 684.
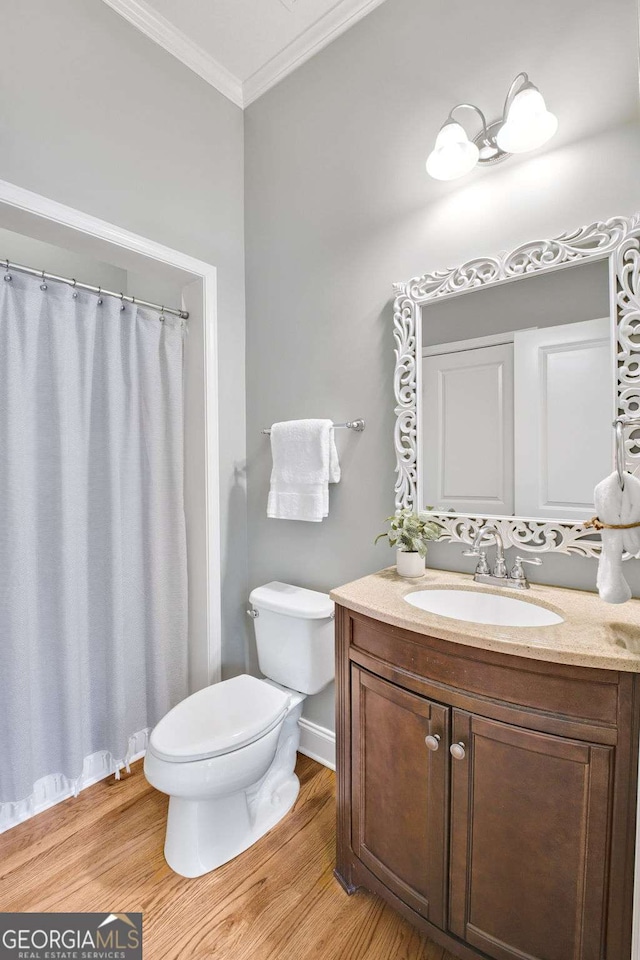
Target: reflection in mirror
pixel 518 396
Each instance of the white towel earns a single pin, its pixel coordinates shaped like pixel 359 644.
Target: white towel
pixel 614 505
pixel 305 462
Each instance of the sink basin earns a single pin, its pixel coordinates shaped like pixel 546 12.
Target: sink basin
pixel 479 607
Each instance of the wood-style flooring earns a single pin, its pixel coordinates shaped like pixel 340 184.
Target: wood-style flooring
pixel 102 851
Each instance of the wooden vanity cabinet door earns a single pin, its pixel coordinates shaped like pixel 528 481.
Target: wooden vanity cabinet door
pixel 400 791
pixel 530 818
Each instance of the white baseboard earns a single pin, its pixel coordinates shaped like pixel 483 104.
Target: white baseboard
pixel 317 742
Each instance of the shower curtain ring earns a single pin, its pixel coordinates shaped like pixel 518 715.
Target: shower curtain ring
pixel 7 275
pixel 162 316
pixel 43 285
pixel 122 301
pixel 75 292
pixel 99 297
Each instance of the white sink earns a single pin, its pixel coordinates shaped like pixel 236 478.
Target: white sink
pixel 479 607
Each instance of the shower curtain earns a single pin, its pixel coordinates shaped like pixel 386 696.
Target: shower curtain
pixel 93 605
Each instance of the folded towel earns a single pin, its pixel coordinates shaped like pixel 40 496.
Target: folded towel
pixel 305 462
pixel 614 505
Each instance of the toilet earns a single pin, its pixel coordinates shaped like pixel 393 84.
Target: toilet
pixel 226 755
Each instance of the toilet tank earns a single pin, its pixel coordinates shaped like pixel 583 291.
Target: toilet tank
pixel 294 635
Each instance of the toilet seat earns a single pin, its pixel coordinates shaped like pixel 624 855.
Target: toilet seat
pixel 219 719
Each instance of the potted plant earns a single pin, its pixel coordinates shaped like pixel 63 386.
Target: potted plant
pixel 410 533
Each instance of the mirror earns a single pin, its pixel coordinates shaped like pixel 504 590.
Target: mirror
pixel 509 372
pixel 518 396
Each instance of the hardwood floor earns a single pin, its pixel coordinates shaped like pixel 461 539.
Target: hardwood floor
pixel 277 901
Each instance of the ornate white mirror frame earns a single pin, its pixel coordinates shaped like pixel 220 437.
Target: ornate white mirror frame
pixel 617 240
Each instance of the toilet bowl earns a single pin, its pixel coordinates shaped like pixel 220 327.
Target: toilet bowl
pixel 226 755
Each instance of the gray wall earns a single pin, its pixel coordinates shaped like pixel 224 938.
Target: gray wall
pixel 338 206
pixel 96 116
pixel 45 256
pixel 580 292
pixel 19 248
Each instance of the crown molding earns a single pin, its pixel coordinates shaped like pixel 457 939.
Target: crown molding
pixel 166 35
pixel 329 26
pixel 320 34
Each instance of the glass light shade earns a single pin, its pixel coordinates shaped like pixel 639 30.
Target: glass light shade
pixel 453 155
pixel 528 123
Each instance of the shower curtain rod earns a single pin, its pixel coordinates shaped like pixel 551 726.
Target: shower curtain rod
pixel 183 314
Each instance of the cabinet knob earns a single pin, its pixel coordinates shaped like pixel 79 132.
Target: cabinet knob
pixel 432 742
pixel 458 751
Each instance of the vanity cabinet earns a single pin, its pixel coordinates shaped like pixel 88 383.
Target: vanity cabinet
pixel 488 797
pixel 399 821
pixel 529 829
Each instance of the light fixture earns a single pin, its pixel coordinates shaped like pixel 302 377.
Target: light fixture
pixel 453 155
pixel 525 125
pixel 527 122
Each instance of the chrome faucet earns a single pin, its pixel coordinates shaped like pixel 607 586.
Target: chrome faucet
pixel 483 574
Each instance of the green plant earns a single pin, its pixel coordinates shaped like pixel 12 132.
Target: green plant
pixel 411 531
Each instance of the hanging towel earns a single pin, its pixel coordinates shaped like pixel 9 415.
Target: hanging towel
pixel 614 505
pixel 305 462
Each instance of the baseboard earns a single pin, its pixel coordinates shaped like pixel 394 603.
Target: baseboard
pixel 317 742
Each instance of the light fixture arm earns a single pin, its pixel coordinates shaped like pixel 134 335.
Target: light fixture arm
pixel 523 79
pixel 525 125
pixel 470 106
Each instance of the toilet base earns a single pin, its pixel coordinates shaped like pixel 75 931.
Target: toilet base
pixel 203 834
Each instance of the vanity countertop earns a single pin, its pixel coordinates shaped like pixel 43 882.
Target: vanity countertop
pixel 593 634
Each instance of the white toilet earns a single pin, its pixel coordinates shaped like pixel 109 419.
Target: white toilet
pixel 226 755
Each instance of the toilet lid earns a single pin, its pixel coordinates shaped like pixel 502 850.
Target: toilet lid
pixel 292 601
pixel 219 719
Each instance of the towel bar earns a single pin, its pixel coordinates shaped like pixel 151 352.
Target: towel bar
pixel 357 425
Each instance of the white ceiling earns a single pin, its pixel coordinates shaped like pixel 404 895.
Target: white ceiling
pixel 243 47
pixel 584 55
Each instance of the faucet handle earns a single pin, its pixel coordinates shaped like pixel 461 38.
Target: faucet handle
pixel 518 573
pixel 482 567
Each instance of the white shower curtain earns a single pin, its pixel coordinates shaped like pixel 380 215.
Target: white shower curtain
pixel 93 606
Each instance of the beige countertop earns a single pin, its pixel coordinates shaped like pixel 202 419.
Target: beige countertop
pixel 594 634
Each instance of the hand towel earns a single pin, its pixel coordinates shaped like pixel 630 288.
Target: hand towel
pixel 614 505
pixel 305 462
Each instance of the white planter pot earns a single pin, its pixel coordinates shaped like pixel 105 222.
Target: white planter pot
pixel 410 565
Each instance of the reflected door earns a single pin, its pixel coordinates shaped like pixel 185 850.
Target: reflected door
pixel 467 430
pixel 563 414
